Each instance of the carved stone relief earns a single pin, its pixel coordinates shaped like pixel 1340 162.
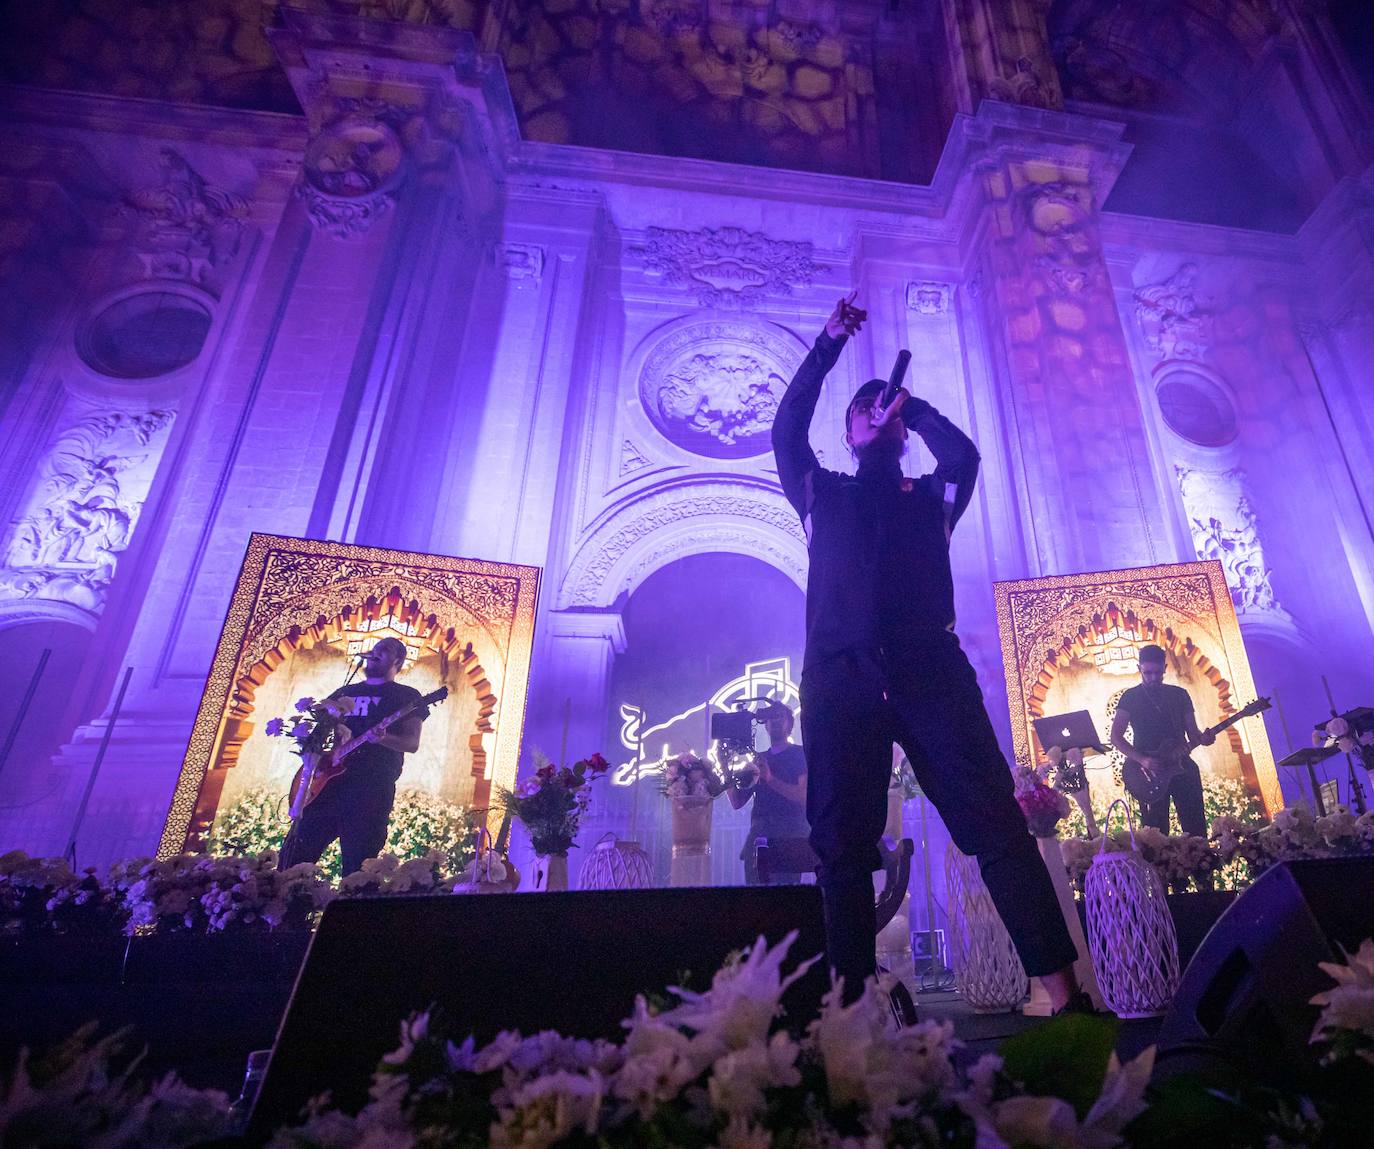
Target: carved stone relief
pixel 522 262
pixel 631 458
pixel 351 169
pixel 185 228
pixel 728 268
pixel 1023 86
pixel 81 516
pixel 927 298
pixel 1224 527
pixel 714 388
pixel 1060 216
pixel 1174 319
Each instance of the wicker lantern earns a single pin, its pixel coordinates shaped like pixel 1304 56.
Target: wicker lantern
pixel 1130 931
pixel 616 865
pixel 987 971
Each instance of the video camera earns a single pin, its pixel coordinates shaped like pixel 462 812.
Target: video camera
pixel 734 729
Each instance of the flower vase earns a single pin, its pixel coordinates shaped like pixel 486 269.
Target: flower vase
pixel 550 872
pixel 691 865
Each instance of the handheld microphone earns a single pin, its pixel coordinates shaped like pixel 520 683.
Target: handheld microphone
pixel 894 383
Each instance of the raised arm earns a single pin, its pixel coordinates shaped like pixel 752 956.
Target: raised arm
pixel 797 462
pixel 956 458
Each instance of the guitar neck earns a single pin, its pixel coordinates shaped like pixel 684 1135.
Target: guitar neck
pixel 1227 723
pixel 381 728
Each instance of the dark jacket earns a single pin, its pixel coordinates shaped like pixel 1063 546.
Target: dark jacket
pixel 879 577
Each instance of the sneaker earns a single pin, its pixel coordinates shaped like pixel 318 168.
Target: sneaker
pixel 1080 1002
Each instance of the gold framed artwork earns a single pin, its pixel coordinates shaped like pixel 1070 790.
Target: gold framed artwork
pixel 300 612
pixel 1069 642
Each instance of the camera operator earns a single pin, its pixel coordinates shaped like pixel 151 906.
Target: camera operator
pixel 776 782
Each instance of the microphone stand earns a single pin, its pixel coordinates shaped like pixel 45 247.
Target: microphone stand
pixel 1356 791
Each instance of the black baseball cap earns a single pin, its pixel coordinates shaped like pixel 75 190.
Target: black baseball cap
pixel 873 387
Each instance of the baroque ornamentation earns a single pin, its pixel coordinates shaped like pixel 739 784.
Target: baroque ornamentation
pixel 92 485
pixel 631 458
pixel 351 169
pixel 729 268
pixel 1174 320
pixel 522 262
pixel 720 514
pixel 927 298
pixel 289 596
pixel 714 387
pixel 1024 86
pixel 1224 527
pixel 1060 216
pixel 185 228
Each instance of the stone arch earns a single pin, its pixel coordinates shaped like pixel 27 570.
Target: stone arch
pixel 45 610
pixel 631 541
pixel 458 658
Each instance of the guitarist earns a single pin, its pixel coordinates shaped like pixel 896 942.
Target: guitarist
pixel 355 807
pixel 1158 714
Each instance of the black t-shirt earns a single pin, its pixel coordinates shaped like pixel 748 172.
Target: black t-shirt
pixel 773 815
pixel 1157 713
pixel 371 703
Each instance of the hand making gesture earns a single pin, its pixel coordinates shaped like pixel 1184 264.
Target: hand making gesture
pixel 846 319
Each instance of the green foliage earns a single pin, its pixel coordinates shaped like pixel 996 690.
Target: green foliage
pixel 1066 1057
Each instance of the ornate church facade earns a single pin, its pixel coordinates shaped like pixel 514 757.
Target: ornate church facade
pixel 524 282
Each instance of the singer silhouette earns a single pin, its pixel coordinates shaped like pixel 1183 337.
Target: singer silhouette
pixel 883 665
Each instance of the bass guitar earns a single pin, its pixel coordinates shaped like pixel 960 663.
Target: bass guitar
pixel 318 769
pixel 1171 755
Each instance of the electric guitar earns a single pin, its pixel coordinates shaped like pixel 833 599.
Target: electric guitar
pixel 320 768
pixel 1172 754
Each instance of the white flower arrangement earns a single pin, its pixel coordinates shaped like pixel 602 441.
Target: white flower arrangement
pixel 46 894
pixel 213 894
pixel 76 1095
pixel 420 822
pixel 1338 732
pixel 712 1069
pixel 389 874
pixel 687 776
pixel 1235 850
pixel 1346 1024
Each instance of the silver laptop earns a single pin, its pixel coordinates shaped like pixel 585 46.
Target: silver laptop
pixel 1067 731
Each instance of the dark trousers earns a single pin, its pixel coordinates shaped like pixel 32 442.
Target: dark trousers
pixel 1186 792
pixel 354 814
pixel 853 710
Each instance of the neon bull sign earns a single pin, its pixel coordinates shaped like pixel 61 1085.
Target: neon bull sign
pixel 654 744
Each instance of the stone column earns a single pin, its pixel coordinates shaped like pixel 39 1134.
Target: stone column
pixel 1000 51
pixel 276 444
pixel 1075 430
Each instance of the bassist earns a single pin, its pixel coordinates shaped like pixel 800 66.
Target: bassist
pixel 1159 715
pixel 355 807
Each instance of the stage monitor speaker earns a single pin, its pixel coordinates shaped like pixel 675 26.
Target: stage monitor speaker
pixel 1243 1002
pixel 571 962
